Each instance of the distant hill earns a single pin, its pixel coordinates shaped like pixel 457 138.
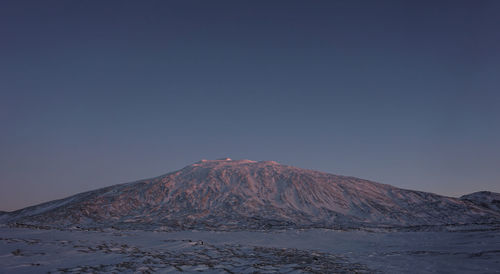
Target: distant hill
pixel 244 194
pixel 486 199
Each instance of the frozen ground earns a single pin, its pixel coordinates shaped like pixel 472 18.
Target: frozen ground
pixel 293 251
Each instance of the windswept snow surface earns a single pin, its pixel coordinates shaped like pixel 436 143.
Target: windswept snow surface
pixel 230 194
pixel 282 251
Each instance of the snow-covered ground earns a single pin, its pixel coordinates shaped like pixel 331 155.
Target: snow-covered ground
pixel 291 251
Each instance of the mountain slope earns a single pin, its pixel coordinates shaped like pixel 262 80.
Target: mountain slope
pixel 220 194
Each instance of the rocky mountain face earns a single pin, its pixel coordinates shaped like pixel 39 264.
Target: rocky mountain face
pixel 243 194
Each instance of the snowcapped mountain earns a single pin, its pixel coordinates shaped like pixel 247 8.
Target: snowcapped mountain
pixel 487 199
pixel 244 194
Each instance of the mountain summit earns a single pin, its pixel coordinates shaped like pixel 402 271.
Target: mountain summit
pixel 245 194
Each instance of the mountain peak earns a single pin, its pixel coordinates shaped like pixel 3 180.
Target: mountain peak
pixel 231 162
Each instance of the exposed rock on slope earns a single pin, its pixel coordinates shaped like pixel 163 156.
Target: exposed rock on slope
pixel 243 194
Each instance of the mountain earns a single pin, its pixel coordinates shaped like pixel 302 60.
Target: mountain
pixel 486 199
pixel 244 194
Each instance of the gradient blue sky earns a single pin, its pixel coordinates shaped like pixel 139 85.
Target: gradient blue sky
pixel 95 93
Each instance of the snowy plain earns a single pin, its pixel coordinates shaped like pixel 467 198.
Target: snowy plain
pixel 286 251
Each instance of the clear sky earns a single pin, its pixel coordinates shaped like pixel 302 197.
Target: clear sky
pixel 95 93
